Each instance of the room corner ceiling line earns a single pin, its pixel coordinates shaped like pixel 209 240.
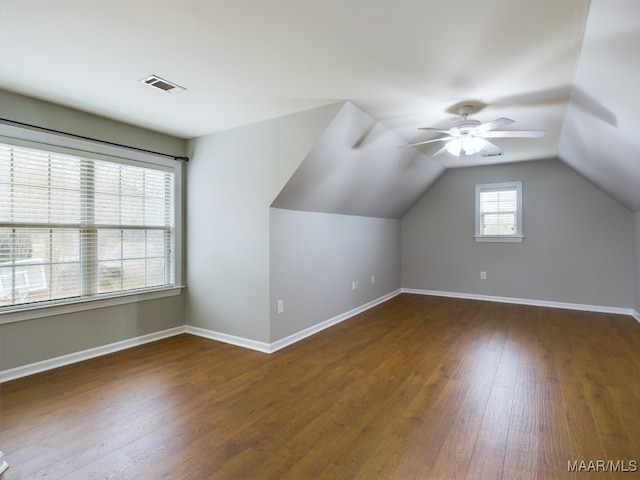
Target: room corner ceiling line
pixel 94 140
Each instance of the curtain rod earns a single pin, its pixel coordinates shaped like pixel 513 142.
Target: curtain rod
pixel 96 140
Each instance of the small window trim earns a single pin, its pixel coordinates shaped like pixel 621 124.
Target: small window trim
pixel 518 235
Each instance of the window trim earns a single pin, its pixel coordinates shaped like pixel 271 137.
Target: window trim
pixel 518 235
pixel 25 137
pixel 31 311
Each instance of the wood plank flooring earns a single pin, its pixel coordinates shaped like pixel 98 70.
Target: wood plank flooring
pixel 417 388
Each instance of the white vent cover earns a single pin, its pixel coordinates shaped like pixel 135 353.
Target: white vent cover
pixel 162 84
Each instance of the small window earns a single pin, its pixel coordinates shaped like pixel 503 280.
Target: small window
pixel 499 212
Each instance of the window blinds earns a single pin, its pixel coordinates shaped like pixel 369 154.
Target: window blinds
pixel 498 210
pixel 78 227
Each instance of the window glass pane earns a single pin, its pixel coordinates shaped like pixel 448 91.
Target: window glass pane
pixel 110 276
pixel 64 190
pixel 132 182
pixel 107 209
pixel 15 244
pixel 155 184
pixel 155 272
pixel 6 245
pixel 154 212
pixel 131 259
pixel 498 201
pixel 29 204
pixel 134 244
pixel 133 272
pixel 38 265
pixel 156 243
pixel 107 178
pixel 30 168
pixel 65 280
pixel 109 245
pixel 132 210
pixel 498 224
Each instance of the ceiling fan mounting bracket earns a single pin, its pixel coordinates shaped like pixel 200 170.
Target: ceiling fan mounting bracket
pixel 465 110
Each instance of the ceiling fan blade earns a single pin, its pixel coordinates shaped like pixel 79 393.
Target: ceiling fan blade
pixel 442 139
pixel 493 124
pixel 439 130
pixel 489 149
pixel 512 134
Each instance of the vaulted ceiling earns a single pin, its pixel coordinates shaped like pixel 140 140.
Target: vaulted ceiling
pixel 569 67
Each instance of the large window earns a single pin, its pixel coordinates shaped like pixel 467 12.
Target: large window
pixel 81 228
pixel 499 212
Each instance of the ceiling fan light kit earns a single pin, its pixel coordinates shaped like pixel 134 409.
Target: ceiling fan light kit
pixel 468 137
pixel 465 144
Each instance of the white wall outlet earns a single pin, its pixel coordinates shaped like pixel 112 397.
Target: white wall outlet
pixel 373 279
pixel 353 285
pixel 280 306
pixel 483 275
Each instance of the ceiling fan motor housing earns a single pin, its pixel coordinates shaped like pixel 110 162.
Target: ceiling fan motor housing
pixel 465 126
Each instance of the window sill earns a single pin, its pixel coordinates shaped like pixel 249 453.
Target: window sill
pixel 30 312
pixel 499 238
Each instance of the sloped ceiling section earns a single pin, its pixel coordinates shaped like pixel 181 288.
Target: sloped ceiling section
pixel 600 137
pixel 359 167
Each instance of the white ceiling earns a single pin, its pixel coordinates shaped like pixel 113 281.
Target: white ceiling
pixel 407 63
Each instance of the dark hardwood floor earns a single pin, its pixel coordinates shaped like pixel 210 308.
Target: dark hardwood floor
pixel 417 388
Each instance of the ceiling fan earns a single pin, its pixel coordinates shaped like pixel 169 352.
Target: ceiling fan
pixel 468 137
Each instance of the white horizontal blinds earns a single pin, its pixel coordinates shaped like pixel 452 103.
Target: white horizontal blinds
pixel 39 226
pixel 75 227
pixel 134 219
pixel 498 211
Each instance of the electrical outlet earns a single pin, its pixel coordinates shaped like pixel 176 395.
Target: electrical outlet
pixel 280 305
pixel 483 275
pixel 353 286
pixel 373 279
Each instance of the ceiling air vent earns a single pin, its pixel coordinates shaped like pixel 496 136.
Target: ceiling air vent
pixel 162 84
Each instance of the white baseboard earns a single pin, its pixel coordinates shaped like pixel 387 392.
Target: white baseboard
pixel 307 332
pixel 231 339
pixel 525 301
pixel 23 371
pixel 291 339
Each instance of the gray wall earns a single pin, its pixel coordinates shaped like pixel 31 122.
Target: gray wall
pixel 232 179
pixel 578 246
pixel 315 257
pixel 356 168
pixel 44 114
pixel 29 341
